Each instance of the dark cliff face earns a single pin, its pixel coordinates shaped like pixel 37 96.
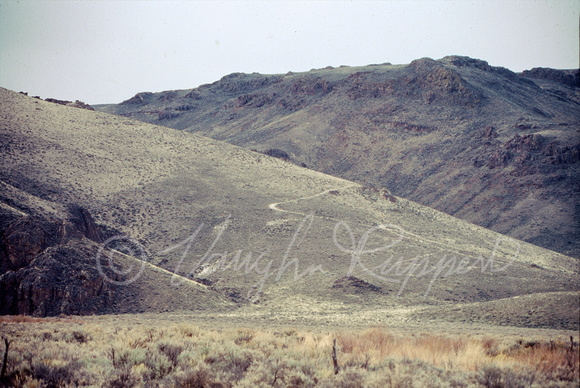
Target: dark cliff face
pixel 48 262
pixel 84 224
pixel 62 279
pixel 479 142
pixel 26 237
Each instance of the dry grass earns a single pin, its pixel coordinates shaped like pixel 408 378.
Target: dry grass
pixel 122 352
pixel 29 319
pixel 461 353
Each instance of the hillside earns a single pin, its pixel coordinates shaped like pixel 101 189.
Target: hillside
pixel 244 233
pixel 484 144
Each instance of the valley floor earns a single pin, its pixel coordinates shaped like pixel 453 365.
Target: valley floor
pixel 240 350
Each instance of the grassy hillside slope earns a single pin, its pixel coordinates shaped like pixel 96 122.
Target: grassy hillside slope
pixel 495 148
pixel 256 235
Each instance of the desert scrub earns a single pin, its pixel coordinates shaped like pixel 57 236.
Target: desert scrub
pixel 125 351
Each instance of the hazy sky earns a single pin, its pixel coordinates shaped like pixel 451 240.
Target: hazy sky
pixel 106 51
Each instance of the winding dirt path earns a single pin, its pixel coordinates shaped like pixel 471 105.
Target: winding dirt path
pixel 408 235
pixel 274 206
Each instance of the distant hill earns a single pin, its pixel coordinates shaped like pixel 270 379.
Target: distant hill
pixel 482 143
pixel 102 214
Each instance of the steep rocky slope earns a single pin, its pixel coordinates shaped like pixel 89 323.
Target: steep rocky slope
pixel 479 142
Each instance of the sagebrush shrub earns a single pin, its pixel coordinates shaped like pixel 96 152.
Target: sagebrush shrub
pixel 123 379
pixel 183 355
pixel 171 351
pixel 59 376
pixel 158 364
pixel 198 377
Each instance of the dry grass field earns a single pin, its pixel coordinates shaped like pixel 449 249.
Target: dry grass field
pixel 178 351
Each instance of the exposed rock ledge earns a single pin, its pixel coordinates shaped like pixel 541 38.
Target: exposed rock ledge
pixel 48 261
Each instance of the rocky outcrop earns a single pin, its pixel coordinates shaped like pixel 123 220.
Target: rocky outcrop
pixel 244 83
pixel 62 279
pixel 48 262
pixel 277 153
pixel 531 154
pixel 250 100
pixel 311 86
pixel 355 285
pixel 565 77
pixel 83 223
pixel 25 238
pixel 139 99
pixel 76 104
pixel 424 79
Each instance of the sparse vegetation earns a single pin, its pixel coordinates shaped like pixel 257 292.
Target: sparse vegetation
pixel 122 352
pixel 445 277
pixel 406 127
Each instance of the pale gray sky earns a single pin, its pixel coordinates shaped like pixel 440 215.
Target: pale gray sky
pixel 106 51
